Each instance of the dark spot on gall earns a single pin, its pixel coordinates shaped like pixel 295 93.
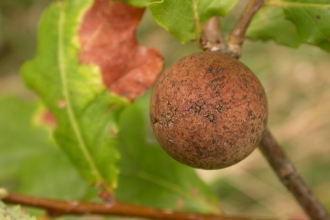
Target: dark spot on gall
pixel 209 70
pixel 154 120
pixel 210 116
pixel 198 150
pixel 219 107
pixel 216 83
pixel 245 82
pixel 197 108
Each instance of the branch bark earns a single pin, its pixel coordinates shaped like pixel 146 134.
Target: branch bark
pixel 212 39
pixel 236 37
pixel 58 208
pixel 290 177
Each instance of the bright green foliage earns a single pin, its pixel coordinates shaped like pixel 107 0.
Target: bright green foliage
pixel 185 19
pixel 86 114
pixel 33 164
pixel 138 3
pixel 150 177
pixel 270 24
pixel 13 213
pixel 311 19
pixel 292 22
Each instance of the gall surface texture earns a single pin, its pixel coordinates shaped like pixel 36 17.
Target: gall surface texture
pixel 208 110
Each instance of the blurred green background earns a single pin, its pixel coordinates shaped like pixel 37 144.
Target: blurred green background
pixel 297 83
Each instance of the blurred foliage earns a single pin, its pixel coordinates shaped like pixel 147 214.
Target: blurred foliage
pixel 286 33
pixel 32 142
pixel 292 23
pixel 185 19
pixel 297 82
pixel 15 212
pixel 34 165
pixel 18 19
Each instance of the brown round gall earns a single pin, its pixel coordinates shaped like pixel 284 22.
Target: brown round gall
pixel 208 110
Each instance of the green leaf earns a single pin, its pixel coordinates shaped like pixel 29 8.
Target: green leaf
pixel 13 213
pixel 310 17
pixel 185 19
pixel 270 24
pixel 138 3
pixel 34 165
pixel 86 114
pixel 150 177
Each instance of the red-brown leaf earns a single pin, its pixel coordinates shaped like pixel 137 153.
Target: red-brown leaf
pixel 107 36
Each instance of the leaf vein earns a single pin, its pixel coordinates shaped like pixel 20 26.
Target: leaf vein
pixel 69 107
pixel 316 26
pixel 296 4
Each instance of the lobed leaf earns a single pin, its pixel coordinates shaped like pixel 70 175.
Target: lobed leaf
pixel 311 19
pixel 107 36
pixel 86 113
pixel 293 22
pixel 270 24
pixel 149 176
pixel 14 213
pixel 185 19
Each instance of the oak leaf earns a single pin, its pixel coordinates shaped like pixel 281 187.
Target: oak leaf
pixel 107 38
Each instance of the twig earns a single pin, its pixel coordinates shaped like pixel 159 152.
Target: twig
pixel 236 37
pixel 212 39
pixel 269 147
pixel 290 178
pixel 58 208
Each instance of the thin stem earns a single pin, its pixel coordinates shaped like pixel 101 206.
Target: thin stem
pixel 58 208
pixel 290 178
pixel 212 39
pixel 236 37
